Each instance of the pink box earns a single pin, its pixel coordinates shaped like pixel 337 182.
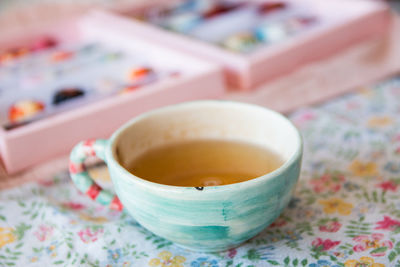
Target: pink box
pixel 55 135
pixel 342 24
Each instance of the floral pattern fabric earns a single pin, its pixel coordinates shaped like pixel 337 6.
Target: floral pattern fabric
pixel 345 211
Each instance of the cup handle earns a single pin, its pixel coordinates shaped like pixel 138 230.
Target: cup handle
pixel 81 177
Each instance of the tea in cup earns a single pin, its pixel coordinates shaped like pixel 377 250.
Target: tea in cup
pixel 207 175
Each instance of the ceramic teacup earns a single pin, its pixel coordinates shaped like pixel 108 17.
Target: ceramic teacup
pixel 207 219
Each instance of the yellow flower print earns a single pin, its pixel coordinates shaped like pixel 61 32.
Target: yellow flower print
pixel 165 259
pixel 73 222
pixel 6 236
pixel 379 121
pixel 88 218
pixel 363 261
pixel 359 168
pixel 366 92
pixel 333 205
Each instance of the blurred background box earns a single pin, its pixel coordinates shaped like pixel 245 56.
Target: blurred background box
pixel 88 81
pixel 257 41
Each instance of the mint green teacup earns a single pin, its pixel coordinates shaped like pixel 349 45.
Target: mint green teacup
pixel 205 219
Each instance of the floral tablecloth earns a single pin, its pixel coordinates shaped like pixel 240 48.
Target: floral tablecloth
pixel 345 212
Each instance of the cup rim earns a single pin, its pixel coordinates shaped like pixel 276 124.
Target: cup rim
pixel 110 156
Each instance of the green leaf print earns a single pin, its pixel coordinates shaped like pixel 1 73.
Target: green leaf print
pixel 395 252
pixel 130 250
pixel 379 250
pixel 33 210
pixel 229 263
pixel 317 252
pixel 348 248
pixel 286 260
pixel 392 256
pixel 156 240
pixel 305 227
pixel 253 255
pixel 347 154
pixel 20 230
pixel 37 191
pixel 392 210
pixel 366 196
pixel 10 256
pixel 374 196
pixel 356 228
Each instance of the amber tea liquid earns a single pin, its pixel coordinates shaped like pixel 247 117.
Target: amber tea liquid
pixel 204 163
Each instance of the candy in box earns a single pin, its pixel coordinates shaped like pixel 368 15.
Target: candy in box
pixel 256 41
pixel 82 79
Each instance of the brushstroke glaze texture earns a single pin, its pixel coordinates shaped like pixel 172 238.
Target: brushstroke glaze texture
pixel 212 218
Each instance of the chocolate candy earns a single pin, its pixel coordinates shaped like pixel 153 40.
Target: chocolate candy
pixel 43 44
pixel 241 42
pixel 67 94
pixel 306 20
pixel 141 74
pixel 128 89
pixel 14 125
pixel 61 56
pixel 221 8
pixel 13 54
pixel 269 7
pixel 6 57
pixel 24 109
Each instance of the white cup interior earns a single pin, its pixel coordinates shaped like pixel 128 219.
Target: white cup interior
pixel 204 120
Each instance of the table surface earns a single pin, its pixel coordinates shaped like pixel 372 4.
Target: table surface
pixel 344 212
pixel 345 209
